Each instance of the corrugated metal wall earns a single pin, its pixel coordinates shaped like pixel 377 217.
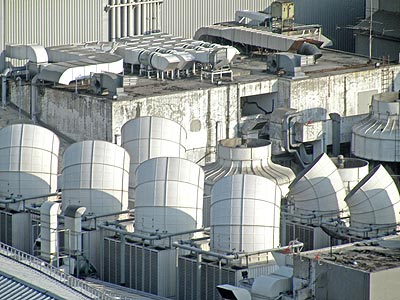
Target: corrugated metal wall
pixel 335 18
pixel 50 22
pixel 184 17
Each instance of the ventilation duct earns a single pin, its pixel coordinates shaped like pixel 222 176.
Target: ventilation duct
pixel 375 203
pixel 34 53
pixel 149 137
pixel 48 231
pixel 250 156
pixel 245 214
pixel 377 136
pixel 319 190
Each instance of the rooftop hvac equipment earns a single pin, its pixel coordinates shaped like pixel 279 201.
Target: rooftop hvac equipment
pixel 378 136
pixel 352 170
pixel 95 176
pixel 28 162
pixel 250 156
pixel 148 137
pixel 169 196
pixel 245 214
pixel 48 230
pixel 375 202
pixel 319 190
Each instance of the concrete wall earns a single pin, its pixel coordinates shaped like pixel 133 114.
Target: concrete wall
pixel 385 285
pixel 337 93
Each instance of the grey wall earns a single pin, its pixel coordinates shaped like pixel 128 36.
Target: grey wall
pixel 335 17
pixel 389 5
pixel 380 47
pixel 385 285
pixel 184 17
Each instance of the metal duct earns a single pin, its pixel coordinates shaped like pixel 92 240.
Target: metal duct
pixel 34 53
pixel 250 156
pixel 377 136
pixel 48 230
pixel 318 189
pixel 244 214
pixel 375 202
pixel 77 62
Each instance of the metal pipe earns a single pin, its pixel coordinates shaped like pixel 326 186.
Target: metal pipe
pixel 108 214
pixel 148 237
pixel 15 200
pixel 138 18
pixel 117 21
pixel 144 17
pixel 3 76
pixel 123 18
pixel 198 276
pixel 122 252
pixel 236 255
pixel 129 21
pixel 112 21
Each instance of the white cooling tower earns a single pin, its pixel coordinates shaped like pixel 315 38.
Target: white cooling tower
pixel 169 195
pixel 148 137
pixel 318 189
pixel 352 170
pixel 28 161
pixel 245 214
pixel 377 136
pixel 96 176
pixel 375 201
pixel 250 156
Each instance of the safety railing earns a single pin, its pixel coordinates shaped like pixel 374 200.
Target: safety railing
pixel 40 265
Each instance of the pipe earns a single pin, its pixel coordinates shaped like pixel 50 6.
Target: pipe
pixel 117 21
pixel 130 18
pixel 144 17
pixel 34 96
pixel 108 214
pixel 148 237
pixel 15 200
pixel 138 13
pixel 123 18
pixel 287 132
pixel 4 75
pixel 112 21
pixel 198 276
pixel 235 255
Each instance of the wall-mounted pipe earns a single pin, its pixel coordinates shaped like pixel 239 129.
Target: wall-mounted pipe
pixel 34 96
pixel 15 200
pixel 235 255
pixel 3 76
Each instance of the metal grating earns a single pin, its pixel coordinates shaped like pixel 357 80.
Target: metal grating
pixel 302 233
pixel 6 228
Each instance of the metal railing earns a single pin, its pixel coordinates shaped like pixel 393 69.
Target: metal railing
pixel 40 265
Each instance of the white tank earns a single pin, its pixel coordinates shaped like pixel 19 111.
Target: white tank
pixel 28 161
pixel 96 176
pixel 352 170
pixel 250 156
pixel 148 137
pixel 377 136
pixel 169 196
pixel 245 214
pixel 319 189
pixel 375 201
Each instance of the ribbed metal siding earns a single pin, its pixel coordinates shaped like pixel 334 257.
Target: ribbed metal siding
pixel 334 16
pixel 12 289
pixel 50 22
pixel 184 17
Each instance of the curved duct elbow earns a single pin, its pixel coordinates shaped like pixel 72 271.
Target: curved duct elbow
pixel 375 200
pixel 319 189
pixel 34 53
pixel 310 49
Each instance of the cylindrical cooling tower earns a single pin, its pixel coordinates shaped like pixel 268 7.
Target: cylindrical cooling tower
pixel 169 195
pixel 149 137
pixel 245 214
pixel 96 176
pixel 249 156
pixel 28 161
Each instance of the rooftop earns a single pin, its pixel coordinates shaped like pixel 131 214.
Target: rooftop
pixel 245 69
pixel 368 256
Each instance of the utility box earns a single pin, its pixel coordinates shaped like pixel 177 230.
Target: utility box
pixel 283 10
